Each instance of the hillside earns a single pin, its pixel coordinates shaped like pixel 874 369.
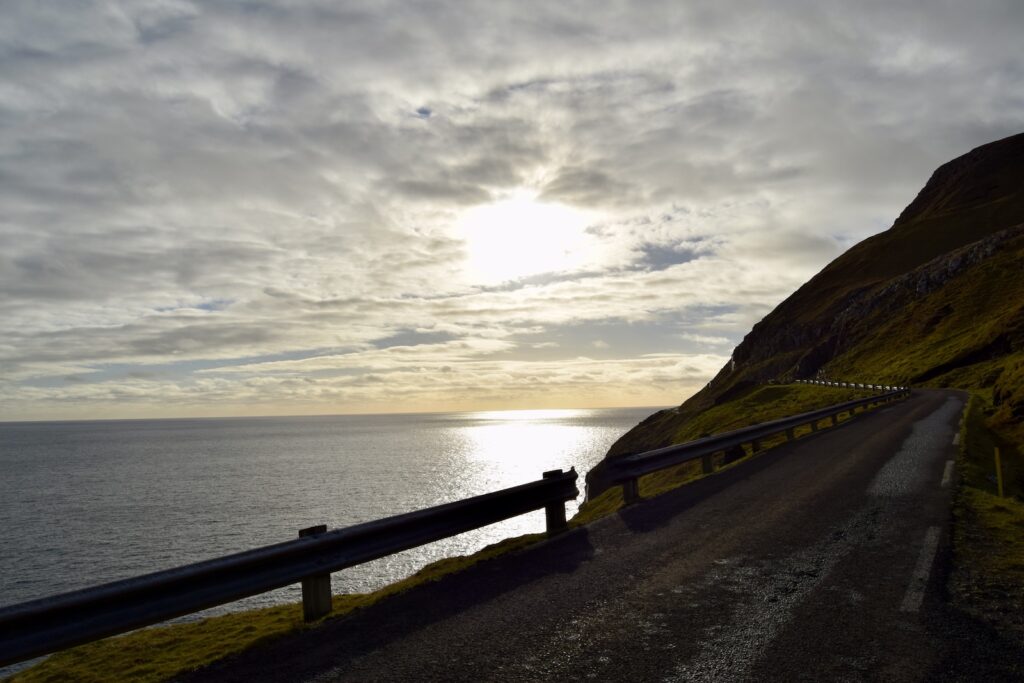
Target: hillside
pixel 937 300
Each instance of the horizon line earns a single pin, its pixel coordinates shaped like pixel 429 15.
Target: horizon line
pixel 366 414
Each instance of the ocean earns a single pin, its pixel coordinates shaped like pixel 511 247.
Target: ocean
pixel 83 503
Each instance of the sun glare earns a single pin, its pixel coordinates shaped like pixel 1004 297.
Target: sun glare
pixel 519 237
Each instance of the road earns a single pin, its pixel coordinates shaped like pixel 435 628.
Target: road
pixel 823 559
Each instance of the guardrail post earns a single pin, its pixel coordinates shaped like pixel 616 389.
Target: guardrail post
pixel 834 419
pixel 707 464
pixel 316 590
pixel 631 491
pixel 791 434
pixel 554 513
pixel 814 426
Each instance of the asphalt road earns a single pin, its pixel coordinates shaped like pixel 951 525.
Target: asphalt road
pixel 824 559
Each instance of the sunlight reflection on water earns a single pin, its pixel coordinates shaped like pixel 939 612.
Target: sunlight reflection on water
pixel 85 503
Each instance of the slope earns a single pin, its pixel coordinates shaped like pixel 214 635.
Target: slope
pixel 937 299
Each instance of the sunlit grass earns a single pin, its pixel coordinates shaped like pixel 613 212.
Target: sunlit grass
pixel 755 405
pixel 954 337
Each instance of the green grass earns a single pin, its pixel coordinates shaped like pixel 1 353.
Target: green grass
pixel 1008 399
pixel 159 653
pixel 962 334
pixel 984 432
pixel 987 580
pixel 751 406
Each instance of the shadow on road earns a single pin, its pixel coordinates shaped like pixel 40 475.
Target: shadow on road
pixel 653 513
pixel 362 631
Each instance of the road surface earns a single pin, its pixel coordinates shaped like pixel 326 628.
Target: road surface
pixel 824 559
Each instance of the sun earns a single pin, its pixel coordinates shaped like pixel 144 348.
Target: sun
pixel 519 237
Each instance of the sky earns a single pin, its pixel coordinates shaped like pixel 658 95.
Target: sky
pixel 313 206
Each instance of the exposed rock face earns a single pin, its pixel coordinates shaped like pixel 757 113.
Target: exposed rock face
pixel 970 213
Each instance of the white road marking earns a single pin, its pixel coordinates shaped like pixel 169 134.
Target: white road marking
pixel 956 439
pixel 947 475
pixel 919 581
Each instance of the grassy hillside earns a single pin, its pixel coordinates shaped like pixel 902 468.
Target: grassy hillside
pixel 754 405
pixel 987 580
pixel 938 299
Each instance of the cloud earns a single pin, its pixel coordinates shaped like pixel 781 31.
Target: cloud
pixel 587 186
pixel 195 188
pixel 704 339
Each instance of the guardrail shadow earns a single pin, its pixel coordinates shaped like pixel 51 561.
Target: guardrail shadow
pixel 336 641
pixel 652 513
pixel 655 512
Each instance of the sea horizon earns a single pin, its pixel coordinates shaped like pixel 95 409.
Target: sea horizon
pixel 313 415
pixel 85 502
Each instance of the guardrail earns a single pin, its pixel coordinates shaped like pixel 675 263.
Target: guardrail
pixel 626 471
pixel 55 623
pixel 849 385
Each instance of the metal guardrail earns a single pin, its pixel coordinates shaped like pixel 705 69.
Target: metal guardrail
pixel 849 385
pixel 625 471
pixel 55 623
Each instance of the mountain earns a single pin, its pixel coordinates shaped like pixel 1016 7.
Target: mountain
pixel 935 300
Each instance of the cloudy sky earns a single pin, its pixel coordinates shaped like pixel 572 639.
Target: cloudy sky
pixel 313 206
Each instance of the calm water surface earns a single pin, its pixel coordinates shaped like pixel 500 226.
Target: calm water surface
pixel 83 503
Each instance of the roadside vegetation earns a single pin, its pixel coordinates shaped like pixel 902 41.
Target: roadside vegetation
pixel 987 580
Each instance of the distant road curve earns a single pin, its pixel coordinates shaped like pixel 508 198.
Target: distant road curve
pixel 822 559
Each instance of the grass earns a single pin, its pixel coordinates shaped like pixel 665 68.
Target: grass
pixel 987 580
pixel 755 404
pixel 984 432
pixel 160 653
pixel 959 335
